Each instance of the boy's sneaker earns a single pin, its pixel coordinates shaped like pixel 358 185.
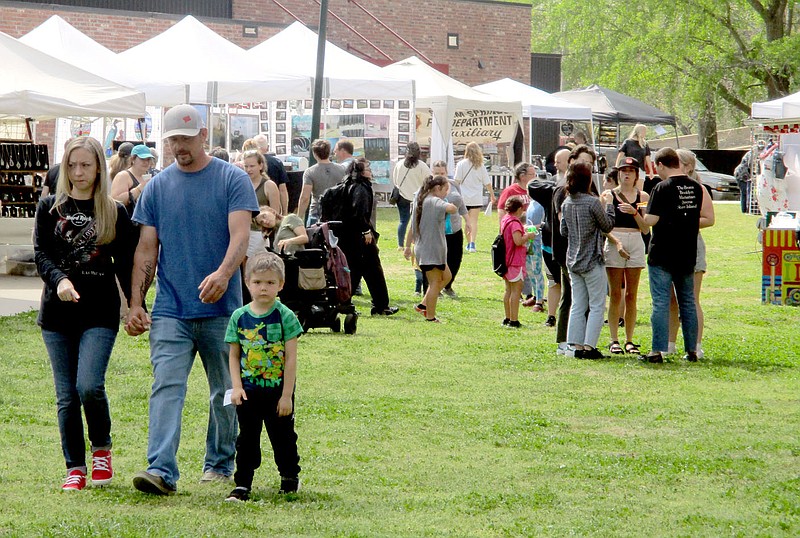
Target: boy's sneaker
pixel 152 484
pixel 450 292
pixel 551 321
pixel 514 324
pixel 289 485
pixel 505 322
pixel 76 481
pixel 238 494
pixel 102 473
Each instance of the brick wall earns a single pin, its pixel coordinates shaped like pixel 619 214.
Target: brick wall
pixel 497 34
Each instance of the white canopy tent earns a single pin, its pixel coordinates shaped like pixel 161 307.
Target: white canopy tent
pixel 784 107
pixel 537 104
pixel 40 86
pixel 215 70
pixel 444 96
pixel 60 39
pixel 294 51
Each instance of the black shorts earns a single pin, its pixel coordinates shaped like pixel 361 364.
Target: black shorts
pixel 553 268
pixel 426 268
pixel 474 207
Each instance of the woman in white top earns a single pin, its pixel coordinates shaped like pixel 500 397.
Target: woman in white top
pixel 408 176
pixel 472 177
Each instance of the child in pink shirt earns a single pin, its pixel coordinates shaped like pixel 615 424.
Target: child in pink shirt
pixel 516 240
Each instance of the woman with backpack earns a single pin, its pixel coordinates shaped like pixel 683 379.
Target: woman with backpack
pixel 357 237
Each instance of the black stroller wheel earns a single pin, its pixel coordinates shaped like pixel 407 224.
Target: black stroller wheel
pixel 350 323
pixel 336 324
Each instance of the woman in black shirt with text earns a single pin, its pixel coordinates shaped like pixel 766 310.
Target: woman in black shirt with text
pixel 83 243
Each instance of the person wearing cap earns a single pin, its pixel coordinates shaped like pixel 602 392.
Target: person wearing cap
pixel 624 253
pixel 120 160
pixel 194 220
pixel 127 186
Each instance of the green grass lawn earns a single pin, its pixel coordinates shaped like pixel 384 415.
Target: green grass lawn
pixel 459 429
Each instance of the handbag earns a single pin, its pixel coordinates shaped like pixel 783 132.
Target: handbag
pixel 395 196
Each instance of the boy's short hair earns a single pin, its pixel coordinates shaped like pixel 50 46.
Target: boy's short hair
pixel 321 148
pixel 265 261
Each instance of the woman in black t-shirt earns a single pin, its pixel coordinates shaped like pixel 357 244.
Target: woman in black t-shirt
pixel 83 244
pixel 636 146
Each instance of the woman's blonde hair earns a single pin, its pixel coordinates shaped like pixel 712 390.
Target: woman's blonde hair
pixel 105 208
pixel 259 159
pixel 250 144
pixel 474 154
pixel 688 161
pixel 639 134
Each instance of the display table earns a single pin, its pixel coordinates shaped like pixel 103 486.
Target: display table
pixel 780 268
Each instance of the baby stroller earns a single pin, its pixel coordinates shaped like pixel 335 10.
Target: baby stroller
pixel 317 284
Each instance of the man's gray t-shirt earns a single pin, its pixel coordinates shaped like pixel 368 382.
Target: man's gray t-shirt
pixel 321 177
pixel 430 245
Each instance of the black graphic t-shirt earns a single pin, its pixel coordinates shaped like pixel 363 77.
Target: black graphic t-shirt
pixel 676 201
pixel 65 243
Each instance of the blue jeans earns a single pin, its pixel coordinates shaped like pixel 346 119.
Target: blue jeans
pixel 588 292
pixel 661 284
pixel 404 209
pixel 79 363
pixel 174 343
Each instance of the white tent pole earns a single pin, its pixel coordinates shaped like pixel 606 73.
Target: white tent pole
pixel 530 140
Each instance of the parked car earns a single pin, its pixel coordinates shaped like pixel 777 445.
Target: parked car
pixel 720 186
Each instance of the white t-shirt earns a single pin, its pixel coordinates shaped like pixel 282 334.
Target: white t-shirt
pixel 471 179
pixel 411 182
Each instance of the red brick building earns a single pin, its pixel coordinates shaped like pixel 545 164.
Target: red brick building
pixel 476 41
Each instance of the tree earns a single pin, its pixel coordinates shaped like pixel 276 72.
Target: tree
pixel 698 59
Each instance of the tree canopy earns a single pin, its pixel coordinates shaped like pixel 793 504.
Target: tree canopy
pixel 697 59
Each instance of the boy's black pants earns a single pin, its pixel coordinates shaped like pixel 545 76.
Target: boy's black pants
pixel 261 408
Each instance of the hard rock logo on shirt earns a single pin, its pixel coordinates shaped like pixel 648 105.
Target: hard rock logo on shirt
pixel 262 361
pixel 78 245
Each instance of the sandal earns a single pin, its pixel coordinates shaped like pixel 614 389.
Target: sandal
pixel 631 348
pixel 615 348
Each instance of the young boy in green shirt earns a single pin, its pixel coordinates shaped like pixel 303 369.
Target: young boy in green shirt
pixel 263 363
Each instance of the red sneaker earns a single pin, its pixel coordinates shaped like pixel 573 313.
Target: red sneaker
pixel 102 473
pixel 76 481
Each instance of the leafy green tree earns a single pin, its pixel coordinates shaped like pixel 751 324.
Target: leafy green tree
pixel 698 59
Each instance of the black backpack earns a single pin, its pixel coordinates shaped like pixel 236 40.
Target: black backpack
pixel 499 254
pixel 335 202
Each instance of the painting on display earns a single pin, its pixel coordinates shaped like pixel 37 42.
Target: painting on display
pixel 376 126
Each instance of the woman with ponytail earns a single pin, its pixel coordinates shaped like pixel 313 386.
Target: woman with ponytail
pixel 428 214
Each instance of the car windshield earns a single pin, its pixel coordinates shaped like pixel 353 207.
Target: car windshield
pixel 700 166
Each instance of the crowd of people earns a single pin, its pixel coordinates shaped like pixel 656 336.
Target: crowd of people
pixel 201 228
